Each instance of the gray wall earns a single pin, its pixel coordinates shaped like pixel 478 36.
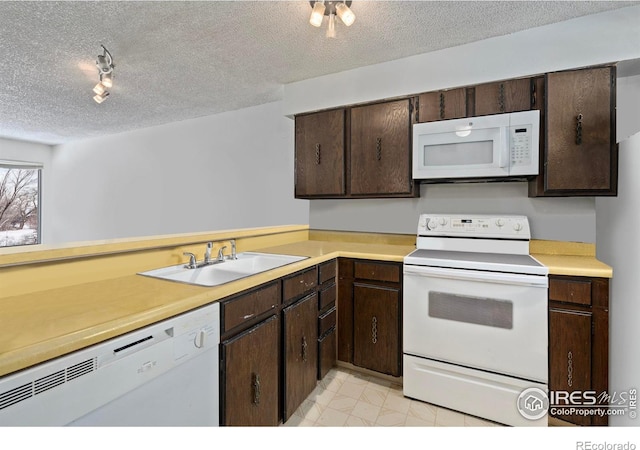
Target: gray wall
pixel 565 219
pixel 230 170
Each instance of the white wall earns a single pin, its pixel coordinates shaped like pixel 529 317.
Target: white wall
pixel 618 244
pixel 595 39
pixel 13 150
pixel 628 102
pixel 231 170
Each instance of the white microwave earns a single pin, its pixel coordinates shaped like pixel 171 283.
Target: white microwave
pixel 500 145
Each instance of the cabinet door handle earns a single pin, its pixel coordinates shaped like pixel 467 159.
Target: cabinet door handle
pixel 374 329
pixel 317 153
pixel 379 149
pixel 501 98
pixel 570 368
pixel 255 381
pixel 304 349
pixel 442 105
pixel 579 129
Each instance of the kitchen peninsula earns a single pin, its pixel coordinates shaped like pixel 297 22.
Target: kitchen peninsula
pixel 59 299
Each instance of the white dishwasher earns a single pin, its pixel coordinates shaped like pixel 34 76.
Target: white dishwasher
pixel 165 374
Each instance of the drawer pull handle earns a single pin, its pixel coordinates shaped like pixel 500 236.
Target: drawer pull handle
pixel 317 153
pixel 379 149
pixel 245 317
pixel 255 381
pixel 374 329
pixel 304 349
pixel 579 129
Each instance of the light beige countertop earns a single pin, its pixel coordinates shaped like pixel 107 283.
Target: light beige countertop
pixel 44 324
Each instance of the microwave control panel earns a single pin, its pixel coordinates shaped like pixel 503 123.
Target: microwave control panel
pixel 523 143
pixel 520 145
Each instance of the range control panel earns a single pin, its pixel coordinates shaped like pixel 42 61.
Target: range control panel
pixel 474 225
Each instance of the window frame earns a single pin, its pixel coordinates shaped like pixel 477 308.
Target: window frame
pixel 28 165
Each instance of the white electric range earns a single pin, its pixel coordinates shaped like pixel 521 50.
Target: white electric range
pixel 475 317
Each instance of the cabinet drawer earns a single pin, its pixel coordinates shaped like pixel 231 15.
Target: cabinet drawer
pixel 377 271
pixel 299 284
pixel 572 291
pixel 327 271
pixel 326 321
pixel 244 308
pixel 327 297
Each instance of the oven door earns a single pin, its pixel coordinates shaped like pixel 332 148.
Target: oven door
pixel 491 321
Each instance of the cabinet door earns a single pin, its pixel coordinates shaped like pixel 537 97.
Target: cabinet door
pixel 570 355
pixel 300 352
pixel 250 376
pixel 440 105
pixel 319 152
pixel 581 152
pixel 376 335
pixel 381 149
pixel 503 97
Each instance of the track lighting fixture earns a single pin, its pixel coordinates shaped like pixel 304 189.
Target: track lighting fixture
pixel 105 66
pixel 331 9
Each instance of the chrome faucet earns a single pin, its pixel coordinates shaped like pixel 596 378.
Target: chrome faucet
pixel 221 253
pixel 207 253
pixel 193 263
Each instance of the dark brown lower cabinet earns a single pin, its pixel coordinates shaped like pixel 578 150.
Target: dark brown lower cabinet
pixel 300 352
pixel 326 352
pixel 369 313
pixel 376 328
pixel 570 355
pixel 250 382
pixel 578 344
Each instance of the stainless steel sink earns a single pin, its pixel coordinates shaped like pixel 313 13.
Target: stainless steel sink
pixel 246 264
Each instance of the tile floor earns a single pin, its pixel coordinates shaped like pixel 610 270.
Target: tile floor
pixel 348 398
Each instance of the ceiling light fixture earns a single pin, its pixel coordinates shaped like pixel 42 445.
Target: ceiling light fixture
pixel 105 66
pixel 324 8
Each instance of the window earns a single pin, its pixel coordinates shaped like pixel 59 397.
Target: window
pixel 19 203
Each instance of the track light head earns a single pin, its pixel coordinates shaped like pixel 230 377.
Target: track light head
pixel 105 66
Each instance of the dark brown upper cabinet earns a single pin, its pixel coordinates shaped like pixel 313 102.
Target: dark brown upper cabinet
pixel 319 154
pixel 441 105
pixel 381 149
pixel 580 154
pixel 361 151
pixel 503 97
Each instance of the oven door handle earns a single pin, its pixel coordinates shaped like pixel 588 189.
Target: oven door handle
pixel 477 275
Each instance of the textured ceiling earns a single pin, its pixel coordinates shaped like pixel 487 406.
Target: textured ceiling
pixel 180 60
